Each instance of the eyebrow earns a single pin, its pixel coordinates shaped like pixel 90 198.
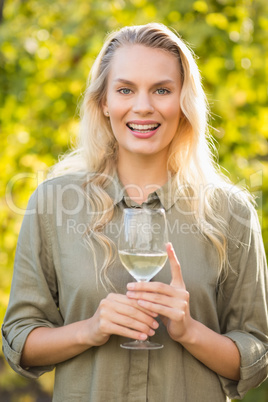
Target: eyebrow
pixel 127 82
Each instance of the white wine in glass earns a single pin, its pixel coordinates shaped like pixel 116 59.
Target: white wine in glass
pixel 142 251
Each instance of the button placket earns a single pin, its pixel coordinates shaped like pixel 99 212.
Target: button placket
pixel 138 376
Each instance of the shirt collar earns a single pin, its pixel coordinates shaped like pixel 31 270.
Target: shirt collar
pixel 167 194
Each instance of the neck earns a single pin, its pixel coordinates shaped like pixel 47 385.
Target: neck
pixel 141 175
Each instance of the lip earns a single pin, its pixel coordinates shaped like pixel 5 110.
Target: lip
pixel 141 122
pixel 138 134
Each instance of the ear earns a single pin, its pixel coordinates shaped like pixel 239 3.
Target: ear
pixel 104 106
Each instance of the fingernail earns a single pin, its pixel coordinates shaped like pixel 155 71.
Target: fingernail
pixel 130 285
pixel 151 332
pixel 143 336
pixel 169 246
pixel 155 324
pixel 141 303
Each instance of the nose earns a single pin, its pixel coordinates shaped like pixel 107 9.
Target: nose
pixel 143 104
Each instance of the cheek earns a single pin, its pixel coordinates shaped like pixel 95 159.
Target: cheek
pixel 173 118
pixel 117 111
pixel 173 112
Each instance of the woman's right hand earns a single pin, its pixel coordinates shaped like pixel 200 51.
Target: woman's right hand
pixel 116 315
pixel 119 315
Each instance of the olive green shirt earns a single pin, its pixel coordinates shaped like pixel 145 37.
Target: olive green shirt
pixel 54 284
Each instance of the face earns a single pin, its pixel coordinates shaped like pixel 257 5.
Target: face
pixel 143 99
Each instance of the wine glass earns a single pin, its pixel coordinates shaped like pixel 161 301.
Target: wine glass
pixel 142 251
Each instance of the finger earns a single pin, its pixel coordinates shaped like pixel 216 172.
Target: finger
pixel 122 299
pixel 137 324
pixel 151 287
pixel 115 329
pixel 132 315
pixel 177 279
pixel 178 296
pixel 128 313
pixel 173 314
pixel 112 321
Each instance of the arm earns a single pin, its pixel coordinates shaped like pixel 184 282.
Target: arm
pixel 47 346
pixel 216 351
pixel 34 334
pixel 116 315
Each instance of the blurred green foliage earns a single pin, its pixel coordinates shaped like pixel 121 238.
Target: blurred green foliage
pixel 46 51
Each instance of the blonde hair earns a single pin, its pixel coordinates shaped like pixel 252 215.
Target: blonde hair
pixel 190 156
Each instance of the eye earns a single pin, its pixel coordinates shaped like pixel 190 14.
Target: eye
pixel 162 91
pixel 124 91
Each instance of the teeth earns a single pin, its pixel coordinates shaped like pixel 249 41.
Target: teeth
pixel 143 127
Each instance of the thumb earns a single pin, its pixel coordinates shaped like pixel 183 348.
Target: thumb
pixel 177 279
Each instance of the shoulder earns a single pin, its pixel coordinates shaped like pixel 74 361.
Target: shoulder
pixel 67 188
pixel 238 208
pixel 76 178
pixel 72 191
pixel 70 181
pixel 233 200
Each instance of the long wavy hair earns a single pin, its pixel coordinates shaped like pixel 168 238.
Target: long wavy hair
pixel 191 153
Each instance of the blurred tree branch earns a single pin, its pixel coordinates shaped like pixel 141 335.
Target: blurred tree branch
pixel 1 10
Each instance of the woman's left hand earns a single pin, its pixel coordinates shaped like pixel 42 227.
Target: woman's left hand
pixel 171 302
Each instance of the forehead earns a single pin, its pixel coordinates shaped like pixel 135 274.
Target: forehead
pixel 139 61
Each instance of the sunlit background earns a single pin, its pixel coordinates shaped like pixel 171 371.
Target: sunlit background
pixel 46 50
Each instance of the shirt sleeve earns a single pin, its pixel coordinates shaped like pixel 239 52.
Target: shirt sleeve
pixel 242 301
pixel 34 298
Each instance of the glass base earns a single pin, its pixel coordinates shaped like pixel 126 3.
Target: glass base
pixel 141 345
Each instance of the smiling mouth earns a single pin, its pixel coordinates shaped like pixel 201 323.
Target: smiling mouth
pixel 143 128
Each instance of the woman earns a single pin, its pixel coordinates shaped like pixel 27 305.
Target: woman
pixel 142 143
